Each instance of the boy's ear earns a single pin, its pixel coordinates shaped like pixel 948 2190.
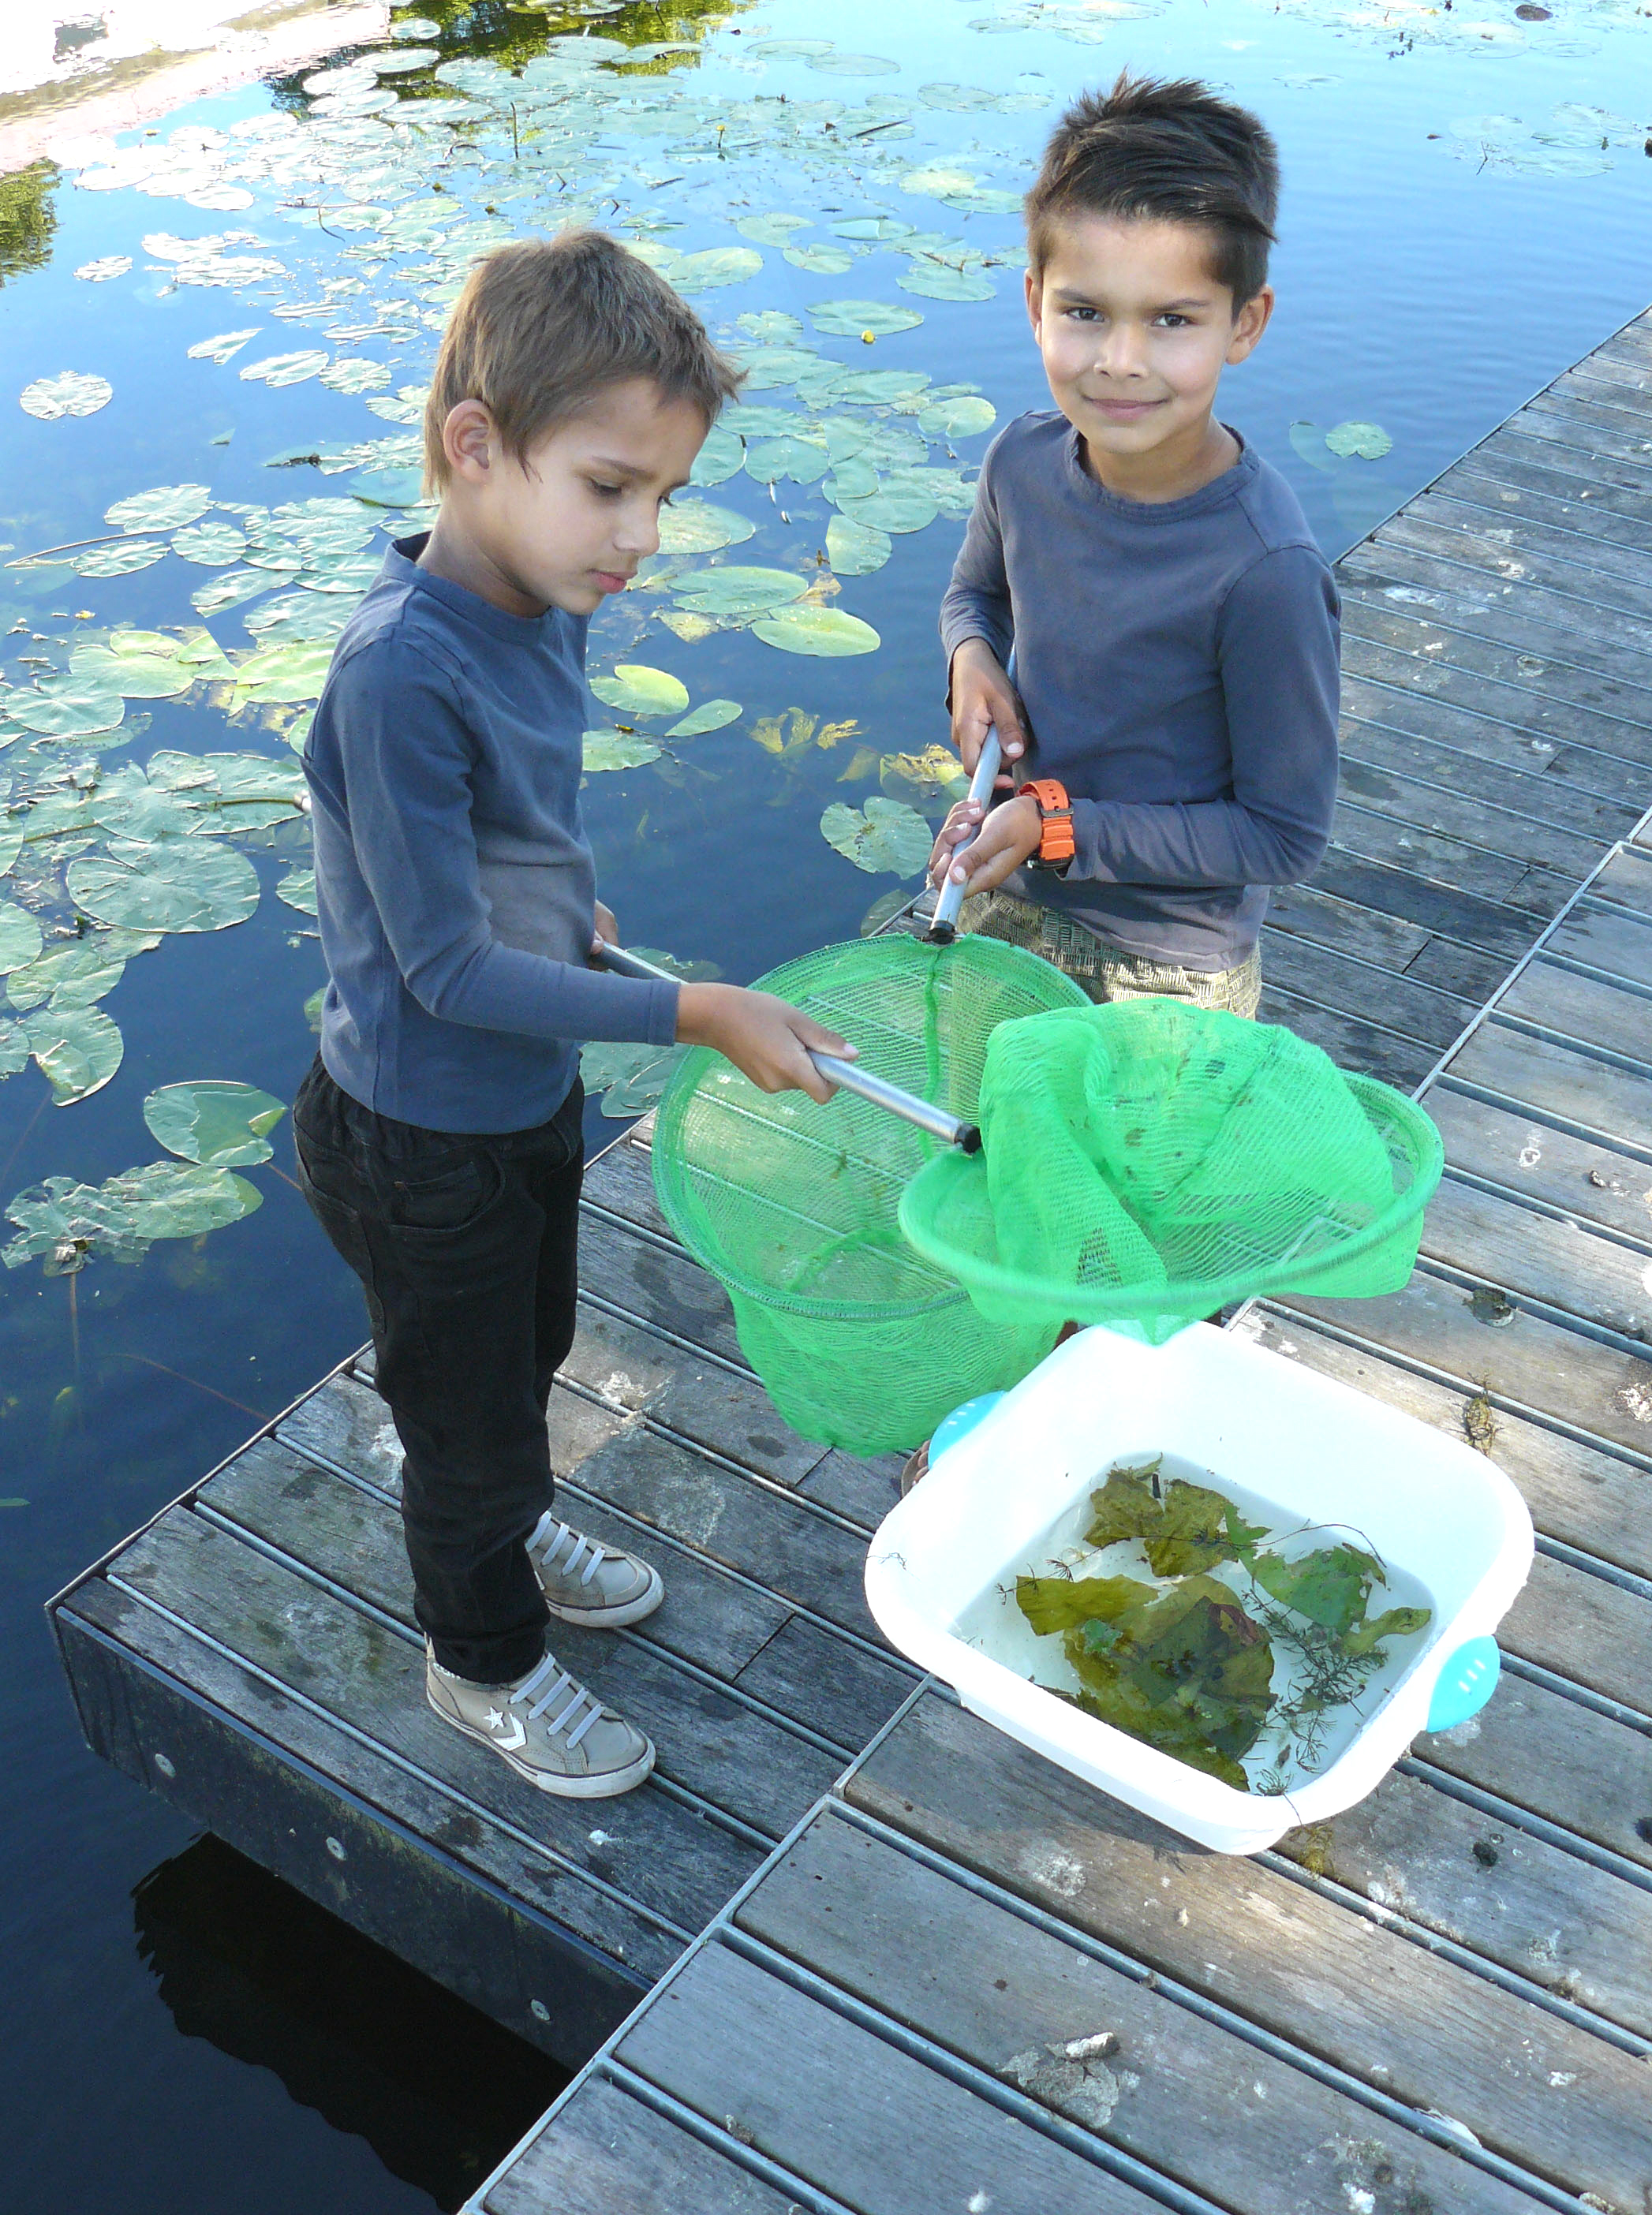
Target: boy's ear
pixel 468 440
pixel 1249 325
pixel 1034 291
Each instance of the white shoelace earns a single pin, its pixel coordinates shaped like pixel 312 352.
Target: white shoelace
pixel 548 1538
pixel 570 1721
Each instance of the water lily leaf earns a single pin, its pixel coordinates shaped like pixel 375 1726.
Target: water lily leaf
pixel 966 417
pixel 1364 442
pixel 14 1049
pixel 285 368
pixel 225 347
pixel 120 559
pixel 737 591
pixel 893 507
pixel 223 1126
pixel 107 266
pixel 164 508
pixel 869 388
pixel 67 707
pixel 821 261
pixel 20 938
pixel 79 1050
pixel 66 1224
pixel 213 545
pixel 824 631
pixel 801 460
pixel 835 64
pixel 631 1079
pixel 355 377
pixel 297 889
pixel 939 280
pixel 768 368
pixel 170 884
pixel 716 267
pixel 296 672
pixel 709 716
pixel 696 526
pixel 885 838
pixel 855 479
pixel 881 228
pixel 81 973
pixel 137 676
pixel 849 318
pixel 770 229
pixel 618 750
pixel 229 591
pixel 635 689
pixel 855 549
pixel 70 393
pixel 770 327
pixel 718 458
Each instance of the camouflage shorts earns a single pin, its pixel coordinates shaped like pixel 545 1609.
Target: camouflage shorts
pixel 1104 971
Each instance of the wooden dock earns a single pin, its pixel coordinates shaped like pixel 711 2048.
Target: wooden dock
pixel 888 1962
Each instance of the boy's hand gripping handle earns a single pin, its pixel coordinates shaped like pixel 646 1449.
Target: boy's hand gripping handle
pixel 943 925
pixel 935 1120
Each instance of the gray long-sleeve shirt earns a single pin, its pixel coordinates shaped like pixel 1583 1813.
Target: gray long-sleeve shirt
pixel 1179 665
pixel 455 889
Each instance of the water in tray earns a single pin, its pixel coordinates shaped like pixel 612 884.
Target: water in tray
pixel 1257 1650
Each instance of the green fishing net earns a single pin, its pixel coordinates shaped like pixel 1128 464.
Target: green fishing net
pixel 860 1341
pixel 1145 1164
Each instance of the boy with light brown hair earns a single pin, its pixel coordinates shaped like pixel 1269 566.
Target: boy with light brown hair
pixel 439 1131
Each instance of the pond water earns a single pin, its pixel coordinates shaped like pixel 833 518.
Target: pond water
pixel 226 322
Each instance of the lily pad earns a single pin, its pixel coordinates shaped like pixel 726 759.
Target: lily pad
pixel 119 559
pixel 880 228
pixel 355 377
pixel 855 549
pixel 223 347
pixel 296 672
pixel 635 689
pixel 67 707
pixel 19 936
pixel 168 884
pixel 896 507
pixel 1363 442
pixel 81 973
pixel 821 261
pixel 222 1124
pixel 297 889
pixel 285 368
pixel 618 750
pixel 718 458
pixel 966 417
pixel 880 387
pixel 79 1050
pixel 631 1079
pixel 709 716
pixel 770 229
pixel 107 266
pixel 71 393
pixel 770 325
pixel 717 266
pixel 885 838
pixel 835 64
pixel 827 632
pixel 939 280
pixel 213 545
pixel 739 592
pixel 850 318
pixel 166 507
pixel 65 1224
pixel 801 460
pixel 696 526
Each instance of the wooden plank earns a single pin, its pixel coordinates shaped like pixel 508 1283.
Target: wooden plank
pixel 1574 1929
pixel 1534 437
pixel 1581 585
pixel 1590 395
pixel 1524 788
pixel 1514 457
pixel 1502 696
pixel 216 1725
pixel 1584 1628
pixel 1437 907
pixel 863 1490
pixel 1565 1264
pixel 1532 1158
pixel 1453 968
pixel 1626 881
pixel 1404 845
pixel 1386 940
pixel 1222 2116
pixel 1600 1015
pixel 1578 1494
pixel 1537 1365
pixel 846 1695
pixel 606 2153
pixel 1608 940
pixel 666 1857
pixel 1308 971
pixel 1473 819
pixel 1398 1061
pixel 1584 425
pixel 1566 1084
pixel 1564 531
pixel 656 1285
pixel 1618 775
pixel 621 1181
pixel 846 2111
pixel 1531 2086
pixel 1562 501
pixel 1536 1749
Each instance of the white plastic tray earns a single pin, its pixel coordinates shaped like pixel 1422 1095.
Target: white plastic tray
pixel 1427 1503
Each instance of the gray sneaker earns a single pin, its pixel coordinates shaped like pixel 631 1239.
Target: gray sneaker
pixel 548 1727
pixel 585 1583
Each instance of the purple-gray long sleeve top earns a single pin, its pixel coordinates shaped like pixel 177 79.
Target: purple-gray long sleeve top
pixel 1179 665
pixel 455 889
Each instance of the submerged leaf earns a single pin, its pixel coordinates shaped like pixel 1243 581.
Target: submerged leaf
pixel 1393 1623
pixel 630 1079
pixel 1330 1585
pixel 66 1224
pixel 1058 1603
pixel 1184 1528
pixel 1364 442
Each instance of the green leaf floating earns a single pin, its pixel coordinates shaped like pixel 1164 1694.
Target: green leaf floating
pixel 716 267
pixel 222 1124
pixel 770 229
pixel 635 689
pixel 20 938
pixel 67 707
pixel 696 526
pixel 719 457
pixel 165 508
pixel 855 549
pixel 630 1079
pixel 850 318
pixel 213 545
pixel 121 559
pixel 71 393
pixel 134 675
pixel 283 672
pixel 941 280
pixel 285 368
pixel 66 1224
pixel 738 592
pixel 821 261
pixel 887 837
pixel 77 975
pixel 821 631
pixel 898 507
pixel 79 1050
pixel 1363 442
pixel 770 325
pixel 170 884
pixel 965 417
pixel 298 890
pixel 709 716
pixel 618 750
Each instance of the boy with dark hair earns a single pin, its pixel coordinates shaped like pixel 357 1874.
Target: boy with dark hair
pixel 1174 625
pixel 439 1130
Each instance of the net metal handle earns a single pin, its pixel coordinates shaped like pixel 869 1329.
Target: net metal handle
pixel 943 925
pixel 949 1129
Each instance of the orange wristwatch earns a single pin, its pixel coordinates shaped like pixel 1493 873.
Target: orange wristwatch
pixel 1055 847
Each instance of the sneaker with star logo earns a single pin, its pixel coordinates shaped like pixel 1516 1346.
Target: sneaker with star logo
pixel 548 1727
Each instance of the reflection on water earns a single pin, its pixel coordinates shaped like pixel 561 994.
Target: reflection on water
pixel 440 2092
pixel 223 314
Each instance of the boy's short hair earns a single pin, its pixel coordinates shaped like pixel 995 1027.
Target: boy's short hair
pixel 1165 149
pixel 545 326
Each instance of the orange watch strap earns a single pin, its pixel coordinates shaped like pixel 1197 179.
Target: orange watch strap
pixel 1055 844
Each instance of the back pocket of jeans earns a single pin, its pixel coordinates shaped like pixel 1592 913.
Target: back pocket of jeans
pixel 452 1200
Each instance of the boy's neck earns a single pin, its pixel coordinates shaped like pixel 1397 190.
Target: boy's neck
pixel 1182 465
pixel 456 554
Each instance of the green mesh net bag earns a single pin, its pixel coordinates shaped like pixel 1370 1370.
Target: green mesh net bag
pixel 1145 1164
pixel 860 1341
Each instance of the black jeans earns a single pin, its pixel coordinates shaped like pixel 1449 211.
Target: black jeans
pixel 467 1249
